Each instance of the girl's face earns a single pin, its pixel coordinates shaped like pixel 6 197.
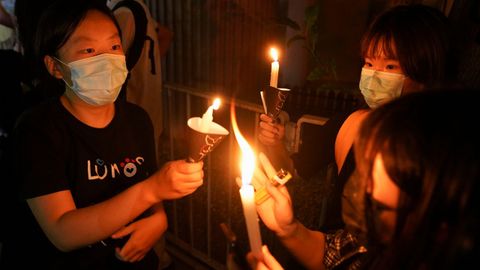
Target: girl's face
pixel 384 194
pixel 379 61
pixel 96 34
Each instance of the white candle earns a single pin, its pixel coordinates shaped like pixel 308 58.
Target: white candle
pixel 247 192
pixel 207 117
pixel 250 212
pixel 275 68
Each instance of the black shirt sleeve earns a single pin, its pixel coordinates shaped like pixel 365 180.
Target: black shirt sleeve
pixel 39 154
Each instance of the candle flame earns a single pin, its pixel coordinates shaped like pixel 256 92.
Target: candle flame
pixel 248 157
pixel 216 104
pixel 274 54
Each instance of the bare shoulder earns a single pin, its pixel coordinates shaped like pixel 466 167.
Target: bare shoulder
pixel 356 118
pixel 346 135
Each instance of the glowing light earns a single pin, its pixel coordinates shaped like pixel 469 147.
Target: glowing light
pixel 247 163
pixel 216 104
pixel 247 192
pixel 274 54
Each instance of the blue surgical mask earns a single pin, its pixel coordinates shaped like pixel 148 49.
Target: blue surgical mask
pixel 97 80
pixel 379 87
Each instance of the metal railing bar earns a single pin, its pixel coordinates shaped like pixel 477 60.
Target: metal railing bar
pixel 250 106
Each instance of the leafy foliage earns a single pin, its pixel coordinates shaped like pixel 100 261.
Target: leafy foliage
pixel 322 67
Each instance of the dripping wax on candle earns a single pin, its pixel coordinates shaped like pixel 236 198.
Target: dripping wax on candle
pixel 207 117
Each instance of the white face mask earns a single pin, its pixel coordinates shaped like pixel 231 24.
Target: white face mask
pixel 97 80
pixel 379 87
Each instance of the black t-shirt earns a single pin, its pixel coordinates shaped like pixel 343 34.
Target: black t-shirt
pixel 54 151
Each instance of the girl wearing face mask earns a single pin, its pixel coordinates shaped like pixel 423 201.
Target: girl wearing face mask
pixel 405 49
pixel 90 193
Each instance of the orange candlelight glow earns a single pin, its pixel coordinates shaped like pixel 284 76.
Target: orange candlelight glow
pixel 247 164
pixel 275 68
pixel 216 104
pixel 274 54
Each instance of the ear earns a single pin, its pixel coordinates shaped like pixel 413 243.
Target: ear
pixel 52 67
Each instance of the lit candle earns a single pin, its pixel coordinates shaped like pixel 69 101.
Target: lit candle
pixel 275 68
pixel 207 117
pixel 247 192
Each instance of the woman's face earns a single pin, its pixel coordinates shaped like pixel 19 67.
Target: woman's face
pixel 96 34
pixel 384 196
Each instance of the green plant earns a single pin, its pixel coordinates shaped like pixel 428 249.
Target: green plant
pixel 323 67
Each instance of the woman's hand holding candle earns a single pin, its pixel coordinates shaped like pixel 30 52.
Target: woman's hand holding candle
pixel 268 262
pixel 175 179
pixel 277 212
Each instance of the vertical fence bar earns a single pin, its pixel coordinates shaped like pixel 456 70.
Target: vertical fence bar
pixel 231 143
pixel 188 109
pixel 179 29
pixel 206 52
pixel 198 50
pixel 209 207
pixel 170 70
pixel 171 150
pixel 188 42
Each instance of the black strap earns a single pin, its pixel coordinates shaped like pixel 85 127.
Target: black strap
pixel 151 54
pixel 140 17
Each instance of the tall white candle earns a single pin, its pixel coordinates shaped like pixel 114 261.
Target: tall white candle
pixel 275 68
pixel 247 192
pixel 251 219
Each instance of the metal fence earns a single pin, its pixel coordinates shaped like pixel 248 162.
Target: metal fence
pixel 217 44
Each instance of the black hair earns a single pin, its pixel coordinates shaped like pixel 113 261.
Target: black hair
pixel 56 25
pixel 430 149
pixel 418 36
pixel 28 13
pixel 59 22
